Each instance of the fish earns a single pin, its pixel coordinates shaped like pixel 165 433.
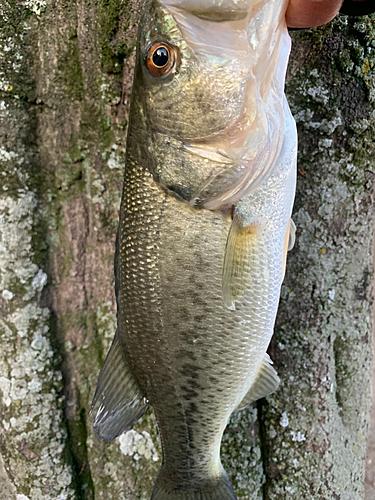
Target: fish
pixel 204 230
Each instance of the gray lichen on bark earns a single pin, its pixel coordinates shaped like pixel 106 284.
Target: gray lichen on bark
pixel 32 433
pixel 66 71
pixel 315 427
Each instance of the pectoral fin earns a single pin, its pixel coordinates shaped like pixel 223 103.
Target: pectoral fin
pixel 292 235
pixel 118 401
pixel 289 241
pixel 266 382
pixel 241 246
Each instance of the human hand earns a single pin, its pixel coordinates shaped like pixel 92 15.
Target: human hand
pixel 310 13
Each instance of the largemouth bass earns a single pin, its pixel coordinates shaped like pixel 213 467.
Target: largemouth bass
pixel 203 234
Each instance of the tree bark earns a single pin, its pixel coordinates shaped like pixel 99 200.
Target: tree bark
pixel 65 79
pixel 315 427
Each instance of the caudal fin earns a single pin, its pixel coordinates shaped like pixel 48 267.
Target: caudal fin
pixel 219 488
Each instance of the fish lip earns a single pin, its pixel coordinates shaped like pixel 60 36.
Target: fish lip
pixel 215 14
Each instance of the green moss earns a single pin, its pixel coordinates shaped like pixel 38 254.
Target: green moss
pixel 115 19
pixel 16 80
pixel 327 101
pixel 314 427
pixel 70 67
pixel 96 127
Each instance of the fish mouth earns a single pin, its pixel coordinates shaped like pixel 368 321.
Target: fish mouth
pixel 217 14
pixel 218 11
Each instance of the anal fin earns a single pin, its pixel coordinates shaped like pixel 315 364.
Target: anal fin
pixel 118 401
pixel 241 245
pixel 266 382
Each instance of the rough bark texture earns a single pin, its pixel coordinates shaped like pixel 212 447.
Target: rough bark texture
pixel 370 460
pixel 65 77
pixel 315 427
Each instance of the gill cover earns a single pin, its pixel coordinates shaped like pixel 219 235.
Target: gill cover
pixel 216 123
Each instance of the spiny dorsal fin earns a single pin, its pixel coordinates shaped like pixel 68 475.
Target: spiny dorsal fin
pixel 241 245
pixel 118 401
pixel 266 382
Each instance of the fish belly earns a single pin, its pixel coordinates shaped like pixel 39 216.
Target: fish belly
pixel 193 357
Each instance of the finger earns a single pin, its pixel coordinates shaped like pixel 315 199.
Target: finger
pixel 310 13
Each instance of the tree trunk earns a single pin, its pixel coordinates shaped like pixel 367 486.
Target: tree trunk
pixel 65 78
pixel 315 428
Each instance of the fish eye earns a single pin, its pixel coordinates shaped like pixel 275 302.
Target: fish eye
pixel 160 59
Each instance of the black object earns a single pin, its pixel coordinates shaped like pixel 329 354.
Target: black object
pixel 358 7
pixel 160 57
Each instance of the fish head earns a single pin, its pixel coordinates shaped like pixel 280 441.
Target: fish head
pixel 199 98
pixel 203 92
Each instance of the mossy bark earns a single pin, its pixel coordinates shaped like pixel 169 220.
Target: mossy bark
pixel 315 427
pixel 65 78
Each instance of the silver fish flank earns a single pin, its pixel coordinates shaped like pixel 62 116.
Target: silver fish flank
pixel 204 231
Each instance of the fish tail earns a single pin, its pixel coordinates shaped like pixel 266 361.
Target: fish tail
pixel 218 488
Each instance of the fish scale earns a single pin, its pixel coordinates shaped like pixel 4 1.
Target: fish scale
pixel 191 355
pixel 197 282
